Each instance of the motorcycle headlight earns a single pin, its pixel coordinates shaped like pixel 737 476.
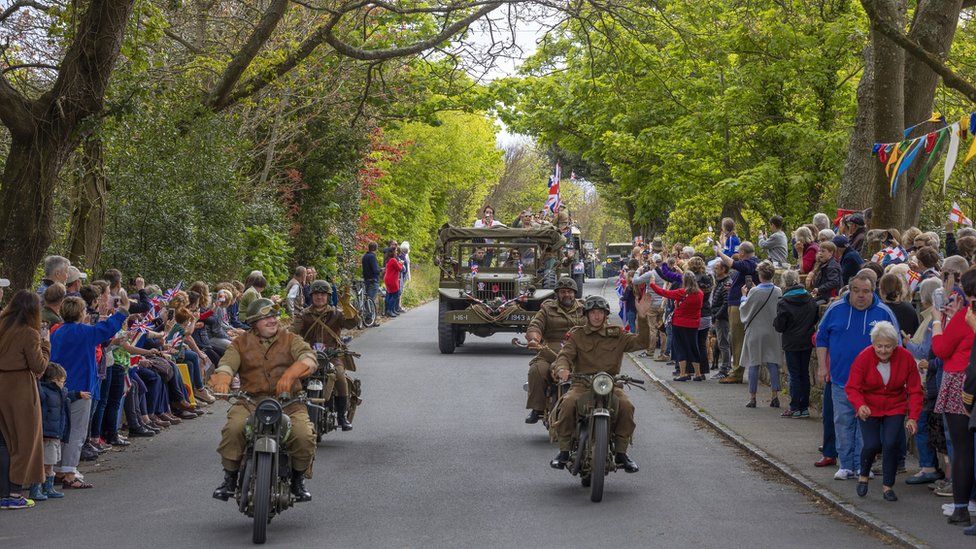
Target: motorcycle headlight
pixel 269 412
pixel 602 384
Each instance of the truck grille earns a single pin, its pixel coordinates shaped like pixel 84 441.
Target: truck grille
pixel 489 289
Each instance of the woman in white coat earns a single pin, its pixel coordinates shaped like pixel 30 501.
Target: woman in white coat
pixel 763 344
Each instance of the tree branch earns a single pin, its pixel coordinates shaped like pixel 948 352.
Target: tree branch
pixel 232 74
pixel 21 4
pixel 324 33
pixel 183 42
pixel 14 109
pixel 913 48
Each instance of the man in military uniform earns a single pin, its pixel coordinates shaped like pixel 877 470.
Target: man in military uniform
pixel 269 361
pixel 546 332
pixel 322 324
pixel 590 349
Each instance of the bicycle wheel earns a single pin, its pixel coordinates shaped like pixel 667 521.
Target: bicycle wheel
pixel 368 313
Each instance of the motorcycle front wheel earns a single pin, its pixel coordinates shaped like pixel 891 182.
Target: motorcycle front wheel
pixel 598 468
pixel 262 497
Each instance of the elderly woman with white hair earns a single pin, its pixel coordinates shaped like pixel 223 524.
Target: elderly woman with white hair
pixel 826 235
pixel 821 221
pixel 806 249
pixel 884 387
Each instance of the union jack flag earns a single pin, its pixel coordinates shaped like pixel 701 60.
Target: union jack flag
pixel 168 294
pixel 176 340
pixel 552 203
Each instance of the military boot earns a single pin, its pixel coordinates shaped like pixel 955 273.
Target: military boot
pixel 298 487
pixel 623 460
pixel 562 458
pixel 534 417
pixel 342 404
pixel 228 487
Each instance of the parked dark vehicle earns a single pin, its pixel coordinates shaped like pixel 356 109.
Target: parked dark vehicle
pixel 493 279
pixel 592 452
pixel 264 490
pixel 615 258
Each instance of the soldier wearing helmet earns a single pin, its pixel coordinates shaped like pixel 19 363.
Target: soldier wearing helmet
pixel 592 348
pixel 545 333
pixel 322 324
pixel 270 361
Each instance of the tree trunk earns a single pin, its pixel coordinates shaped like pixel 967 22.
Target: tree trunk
pixel 30 177
pixel 889 112
pixel 856 191
pixel 88 206
pixel 934 28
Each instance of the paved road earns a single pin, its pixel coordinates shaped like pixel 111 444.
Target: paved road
pixel 440 457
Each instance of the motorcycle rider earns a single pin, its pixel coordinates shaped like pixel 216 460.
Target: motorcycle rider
pixel 590 349
pixel 546 332
pixel 322 323
pixel 269 360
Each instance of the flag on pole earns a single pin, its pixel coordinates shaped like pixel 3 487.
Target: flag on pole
pixel 552 203
pixel 956 215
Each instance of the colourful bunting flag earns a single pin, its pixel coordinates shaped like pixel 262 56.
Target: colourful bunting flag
pixel 950 162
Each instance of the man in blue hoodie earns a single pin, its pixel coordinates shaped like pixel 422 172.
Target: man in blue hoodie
pixel 844 332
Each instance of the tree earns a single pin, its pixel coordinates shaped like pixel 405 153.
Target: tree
pixel 46 127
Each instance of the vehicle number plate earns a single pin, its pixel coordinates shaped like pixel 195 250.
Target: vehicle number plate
pixel 518 317
pixel 460 317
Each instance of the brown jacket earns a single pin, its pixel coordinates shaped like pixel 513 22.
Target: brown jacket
pixel 23 356
pixel 311 323
pixel 553 322
pixel 591 350
pixel 261 362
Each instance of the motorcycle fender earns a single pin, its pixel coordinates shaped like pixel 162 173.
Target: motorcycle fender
pixel 266 445
pixel 601 412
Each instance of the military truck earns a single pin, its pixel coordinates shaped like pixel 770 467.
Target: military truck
pixel 615 258
pixel 493 279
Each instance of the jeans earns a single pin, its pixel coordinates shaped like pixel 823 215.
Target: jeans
pixel 847 429
pixel 738 336
pixel 104 419
pixel 669 333
pixel 722 336
pixel 882 434
pixel 798 364
pixel 372 288
pixel 193 366
pixel 703 350
pixel 829 440
pixel 926 454
pixel 773 378
pixel 391 303
pixel 632 320
pixel 71 451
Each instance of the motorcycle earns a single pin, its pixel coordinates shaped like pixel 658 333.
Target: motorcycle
pixel 320 388
pixel 264 489
pixel 592 451
pixel 553 391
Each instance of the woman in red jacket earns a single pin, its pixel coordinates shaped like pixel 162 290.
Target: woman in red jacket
pixel 391 279
pixel 807 248
pixel 884 387
pixel 684 324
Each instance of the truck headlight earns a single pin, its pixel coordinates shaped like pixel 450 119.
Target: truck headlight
pixel 602 384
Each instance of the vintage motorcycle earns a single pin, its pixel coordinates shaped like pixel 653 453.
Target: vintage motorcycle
pixel 553 391
pixel 264 488
pixel 592 452
pixel 320 388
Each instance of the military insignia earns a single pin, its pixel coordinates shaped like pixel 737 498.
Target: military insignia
pixel 614 331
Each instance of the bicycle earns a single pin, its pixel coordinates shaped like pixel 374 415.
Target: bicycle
pixel 365 306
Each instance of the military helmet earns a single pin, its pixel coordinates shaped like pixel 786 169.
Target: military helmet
pixel 260 309
pixel 595 302
pixel 567 283
pixel 321 287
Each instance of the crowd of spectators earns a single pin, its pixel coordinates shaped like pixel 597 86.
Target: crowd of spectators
pixel 887 314
pixel 86 366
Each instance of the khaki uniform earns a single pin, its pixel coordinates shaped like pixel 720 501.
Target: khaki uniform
pixel 552 322
pixel 260 363
pixel 589 351
pixel 313 326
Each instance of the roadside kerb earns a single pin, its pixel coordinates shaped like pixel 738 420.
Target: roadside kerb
pixel 801 480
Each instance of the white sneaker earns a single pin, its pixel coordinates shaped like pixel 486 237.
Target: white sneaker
pixel 844 474
pixel 948 508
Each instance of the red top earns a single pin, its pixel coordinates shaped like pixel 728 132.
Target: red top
pixel 809 257
pixel 902 395
pixel 687 310
pixel 391 278
pixel 954 343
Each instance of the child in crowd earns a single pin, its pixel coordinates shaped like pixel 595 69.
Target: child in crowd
pixel 55 419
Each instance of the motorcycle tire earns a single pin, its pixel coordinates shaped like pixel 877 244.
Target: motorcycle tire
pixel 598 469
pixel 262 497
